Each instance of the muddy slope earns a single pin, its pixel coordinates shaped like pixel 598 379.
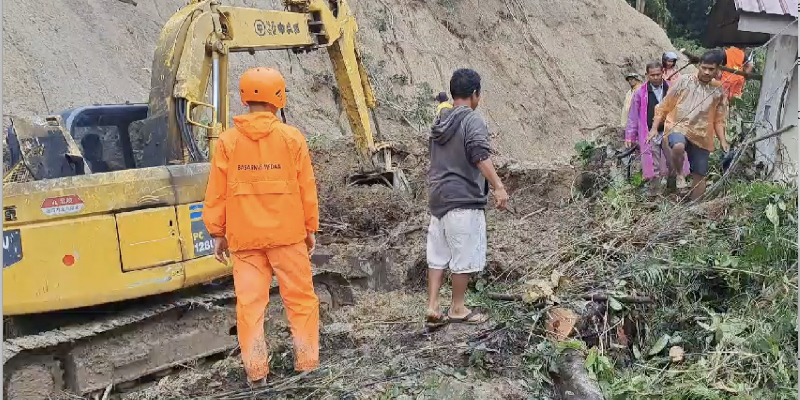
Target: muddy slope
pixel 549 68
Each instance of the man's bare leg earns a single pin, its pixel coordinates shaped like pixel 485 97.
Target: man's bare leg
pixel 459 311
pixel 435 277
pixel 698 186
pixel 675 156
pixel 460 283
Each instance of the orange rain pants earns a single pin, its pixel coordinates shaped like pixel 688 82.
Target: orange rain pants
pixel 252 277
pixel 262 197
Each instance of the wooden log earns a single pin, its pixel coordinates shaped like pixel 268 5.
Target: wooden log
pixel 588 296
pixel 572 381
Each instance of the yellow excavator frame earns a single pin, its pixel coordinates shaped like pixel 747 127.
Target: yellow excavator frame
pixel 196 42
pixel 132 234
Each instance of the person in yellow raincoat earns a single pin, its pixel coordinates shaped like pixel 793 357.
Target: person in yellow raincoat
pixel 261 207
pixel 441 98
pixel 635 80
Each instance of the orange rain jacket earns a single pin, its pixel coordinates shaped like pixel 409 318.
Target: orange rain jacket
pixel 261 191
pixel 732 83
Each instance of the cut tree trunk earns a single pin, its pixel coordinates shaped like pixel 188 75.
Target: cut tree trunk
pixel 572 382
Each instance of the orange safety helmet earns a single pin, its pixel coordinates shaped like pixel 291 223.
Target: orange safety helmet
pixel 265 85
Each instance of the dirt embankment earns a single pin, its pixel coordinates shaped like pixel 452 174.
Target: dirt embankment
pixel 549 69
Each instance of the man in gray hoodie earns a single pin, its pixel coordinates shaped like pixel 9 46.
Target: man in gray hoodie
pixel 460 176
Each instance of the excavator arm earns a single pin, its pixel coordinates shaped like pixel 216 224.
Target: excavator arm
pixel 193 52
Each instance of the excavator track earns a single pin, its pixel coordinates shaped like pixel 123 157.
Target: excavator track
pixel 121 348
pixel 69 334
pixel 126 348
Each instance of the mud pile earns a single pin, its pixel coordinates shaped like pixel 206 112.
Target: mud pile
pixel 549 68
pixel 376 223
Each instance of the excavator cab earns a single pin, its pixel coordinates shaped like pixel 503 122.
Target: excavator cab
pixel 79 141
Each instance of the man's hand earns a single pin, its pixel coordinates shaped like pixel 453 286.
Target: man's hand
pixel 724 144
pixel 311 243
pixel 501 197
pixel 628 143
pixel 221 252
pixel 652 134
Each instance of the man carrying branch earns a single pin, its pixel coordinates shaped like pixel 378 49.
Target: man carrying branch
pixel 694 111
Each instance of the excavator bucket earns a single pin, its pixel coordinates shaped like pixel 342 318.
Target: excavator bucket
pixel 385 172
pixel 393 179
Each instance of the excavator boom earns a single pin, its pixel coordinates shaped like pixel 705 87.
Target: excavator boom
pixel 193 51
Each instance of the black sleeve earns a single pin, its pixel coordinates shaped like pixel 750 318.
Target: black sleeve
pixel 476 139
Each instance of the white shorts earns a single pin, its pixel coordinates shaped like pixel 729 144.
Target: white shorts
pixel 458 241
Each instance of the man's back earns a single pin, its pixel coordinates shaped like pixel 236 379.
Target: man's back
pixel 459 139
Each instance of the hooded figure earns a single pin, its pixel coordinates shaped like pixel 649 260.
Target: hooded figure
pixel 459 139
pixel 261 208
pixel 669 63
pixel 460 176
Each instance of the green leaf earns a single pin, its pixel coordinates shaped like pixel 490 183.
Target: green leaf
pixel 772 214
pixel 614 304
pixel 570 344
pixel 636 352
pixel 660 345
pixel 782 205
pixel 591 358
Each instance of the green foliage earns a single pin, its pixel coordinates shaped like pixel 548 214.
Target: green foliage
pixel 417 110
pixel 729 288
pixel 691 46
pixel 421 110
pixel 585 149
pixel 680 18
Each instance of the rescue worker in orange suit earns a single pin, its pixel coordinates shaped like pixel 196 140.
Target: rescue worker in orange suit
pixel 261 207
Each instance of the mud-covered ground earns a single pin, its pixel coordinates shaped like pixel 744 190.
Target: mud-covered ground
pixel 378 347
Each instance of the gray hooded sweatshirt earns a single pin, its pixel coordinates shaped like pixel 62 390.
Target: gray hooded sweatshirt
pixel 459 140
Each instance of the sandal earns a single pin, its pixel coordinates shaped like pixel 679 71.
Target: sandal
pixel 435 322
pixel 475 317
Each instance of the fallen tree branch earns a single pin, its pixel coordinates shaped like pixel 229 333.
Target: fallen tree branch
pixel 621 299
pixel 599 297
pixel 572 380
pixel 738 156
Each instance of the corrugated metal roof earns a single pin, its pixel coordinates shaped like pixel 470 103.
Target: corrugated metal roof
pixel 774 7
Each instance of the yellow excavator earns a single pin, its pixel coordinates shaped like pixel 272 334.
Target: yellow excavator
pixel 108 277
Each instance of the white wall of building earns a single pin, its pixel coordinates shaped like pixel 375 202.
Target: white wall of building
pixel 777 107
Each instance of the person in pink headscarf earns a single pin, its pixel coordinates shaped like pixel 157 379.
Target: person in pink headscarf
pixel 640 121
pixel 669 67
